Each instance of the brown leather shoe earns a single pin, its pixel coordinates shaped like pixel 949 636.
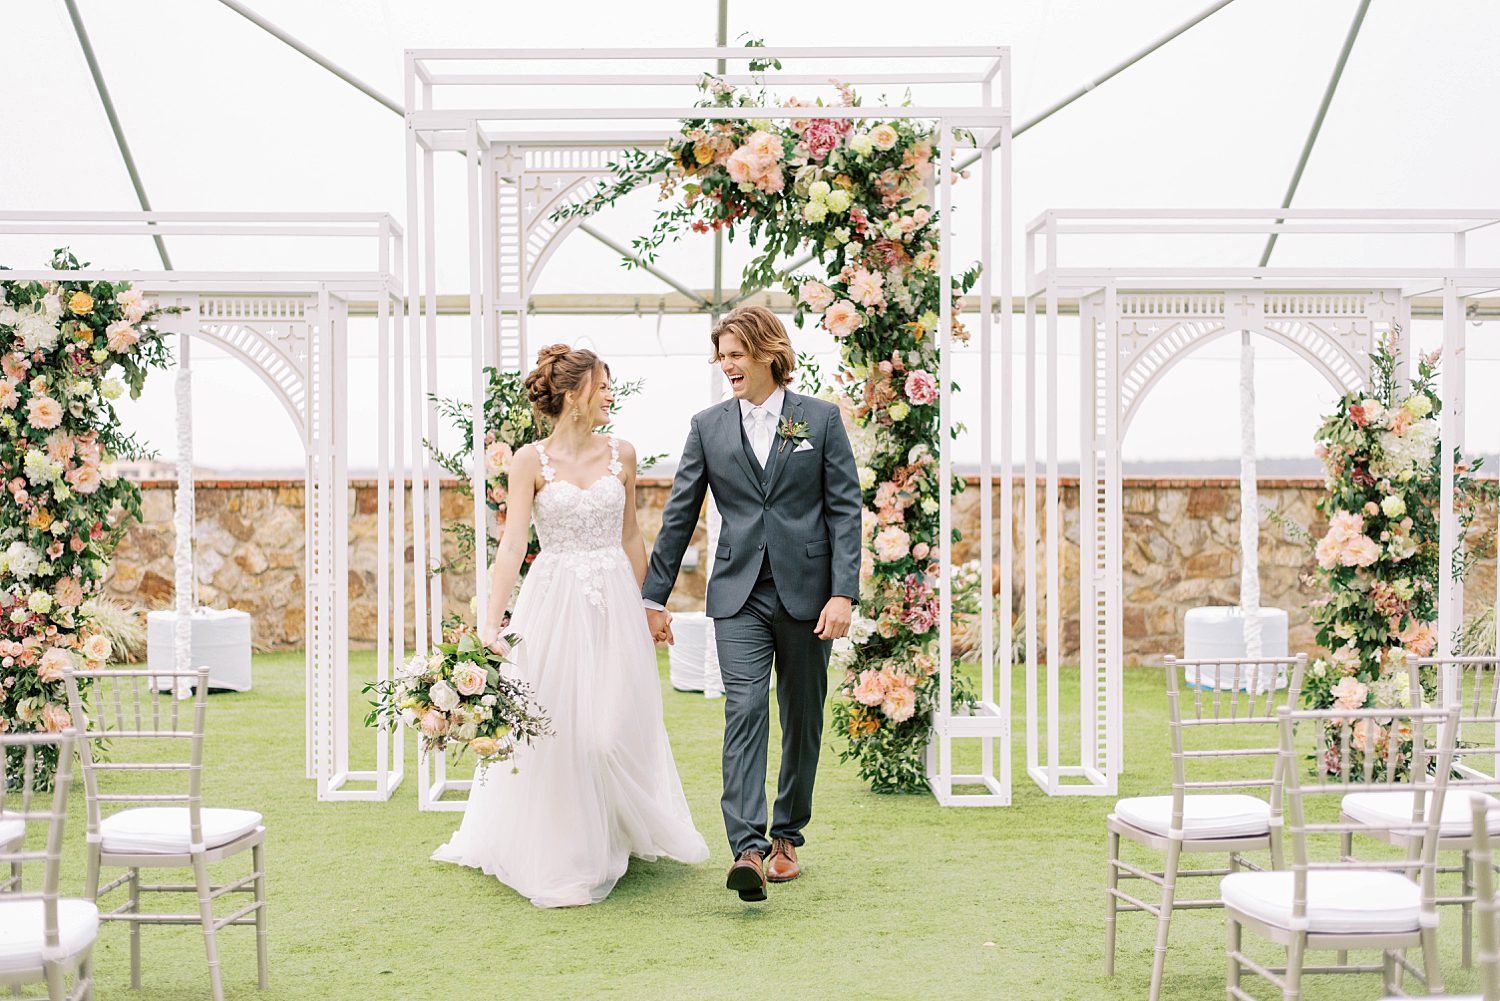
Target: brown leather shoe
pixel 748 876
pixel 781 864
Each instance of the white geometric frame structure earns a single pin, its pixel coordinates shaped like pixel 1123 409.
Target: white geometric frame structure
pixel 1136 322
pixel 290 328
pixel 516 176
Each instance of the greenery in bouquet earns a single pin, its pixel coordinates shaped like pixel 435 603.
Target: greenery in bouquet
pixel 858 196
pixel 460 696
pixel 68 350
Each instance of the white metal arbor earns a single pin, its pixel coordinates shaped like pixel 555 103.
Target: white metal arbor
pixel 482 103
pixel 1136 322
pixel 291 329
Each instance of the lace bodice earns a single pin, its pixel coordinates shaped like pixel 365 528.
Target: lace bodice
pixel 579 527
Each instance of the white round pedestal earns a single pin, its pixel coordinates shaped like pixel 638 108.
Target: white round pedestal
pixel 1218 632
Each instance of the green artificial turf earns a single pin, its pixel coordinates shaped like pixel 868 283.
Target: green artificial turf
pixel 900 898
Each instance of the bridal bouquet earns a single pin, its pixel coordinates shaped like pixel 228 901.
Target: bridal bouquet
pixel 460 696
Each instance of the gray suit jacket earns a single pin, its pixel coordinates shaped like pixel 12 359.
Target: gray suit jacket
pixel 805 510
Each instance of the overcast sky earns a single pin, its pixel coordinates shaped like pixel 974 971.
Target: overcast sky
pixel 223 117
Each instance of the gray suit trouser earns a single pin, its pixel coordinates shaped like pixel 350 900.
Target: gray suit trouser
pixel 759 636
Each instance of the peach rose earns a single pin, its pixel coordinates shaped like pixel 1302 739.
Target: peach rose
pixel 884 136
pixel 54 662
pixel 484 747
pixel 121 336
pixel 842 318
pixel 84 479
pixel 469 679
pixel 14 367
pixel 55 718
pixel 864 288
pixel 434 723
pixel 817 295
pixel 97 647
pixel 871 688
pixel 497 458
pixel 68 592
pixel 80 303
pixel 8 395
pixel 900 702
pixel 44 412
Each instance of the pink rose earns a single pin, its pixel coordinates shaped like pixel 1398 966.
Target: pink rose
pixel 842 318
pixel 891 544
pixel 871 688
pixel 434 723
pixel 865 288
pixel 44 412
pixel 469 679
pixel 54 662
pixel 920 550
pixel 921 387
pixel 14 367
pixel 817 295
pixel 1360 551
pixel 1350 693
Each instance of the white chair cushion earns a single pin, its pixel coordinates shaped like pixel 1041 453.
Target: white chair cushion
pixel 1386 808
pixel 164 830
pixel 23 935
pixel 11 831
pixel 1227 815
pixel 1337 902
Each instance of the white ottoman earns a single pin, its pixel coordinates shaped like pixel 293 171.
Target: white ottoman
pixel 221 642
pixel 1218 632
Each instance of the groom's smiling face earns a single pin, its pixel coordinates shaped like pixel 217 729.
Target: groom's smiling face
pixel 749 378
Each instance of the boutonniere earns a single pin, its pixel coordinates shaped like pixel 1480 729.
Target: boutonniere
pixel 791 431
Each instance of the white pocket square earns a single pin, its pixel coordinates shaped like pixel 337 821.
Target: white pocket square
pixel 803 446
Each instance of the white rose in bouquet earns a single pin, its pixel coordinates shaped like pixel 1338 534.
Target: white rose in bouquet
pixel 443 696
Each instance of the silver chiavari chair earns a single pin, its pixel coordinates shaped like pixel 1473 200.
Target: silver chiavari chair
pixel 1327 900
pixel 44 937
pixel 1223 730
pixel 134 829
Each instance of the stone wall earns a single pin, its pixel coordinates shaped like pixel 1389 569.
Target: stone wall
pixel 1180 551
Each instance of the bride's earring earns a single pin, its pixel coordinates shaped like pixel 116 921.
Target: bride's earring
pixel 576 415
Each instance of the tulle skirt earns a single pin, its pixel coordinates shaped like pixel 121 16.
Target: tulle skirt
pixel 559 822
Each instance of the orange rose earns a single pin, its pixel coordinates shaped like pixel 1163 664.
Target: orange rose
pixel 81 303
pixel 41 519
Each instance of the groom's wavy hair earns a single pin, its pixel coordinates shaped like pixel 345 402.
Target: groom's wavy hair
pixel 763 335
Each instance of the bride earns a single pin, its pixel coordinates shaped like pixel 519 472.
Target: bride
pixel 560 827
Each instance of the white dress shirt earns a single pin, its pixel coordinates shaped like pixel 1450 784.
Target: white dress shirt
pixel 760 437
pixel 763 432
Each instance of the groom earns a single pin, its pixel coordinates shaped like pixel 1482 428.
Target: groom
pixel 785 577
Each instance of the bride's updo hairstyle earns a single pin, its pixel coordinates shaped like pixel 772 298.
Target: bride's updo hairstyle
pixel 560 370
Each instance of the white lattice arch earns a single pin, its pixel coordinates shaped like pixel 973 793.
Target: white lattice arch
pixel 1153 361
pixel 278 361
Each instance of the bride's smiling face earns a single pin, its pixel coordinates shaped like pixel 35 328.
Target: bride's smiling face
pixel 597 398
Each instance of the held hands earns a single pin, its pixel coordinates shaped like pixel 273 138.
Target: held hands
pixel 833 621
pixel 660 623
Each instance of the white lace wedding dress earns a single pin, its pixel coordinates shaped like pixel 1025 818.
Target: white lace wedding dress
pixel 559 829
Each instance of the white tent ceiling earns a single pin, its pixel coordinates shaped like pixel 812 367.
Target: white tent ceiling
pixel 222 116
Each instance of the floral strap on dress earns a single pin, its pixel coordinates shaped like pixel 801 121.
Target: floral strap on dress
pixel 547 471
pixel 614 456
